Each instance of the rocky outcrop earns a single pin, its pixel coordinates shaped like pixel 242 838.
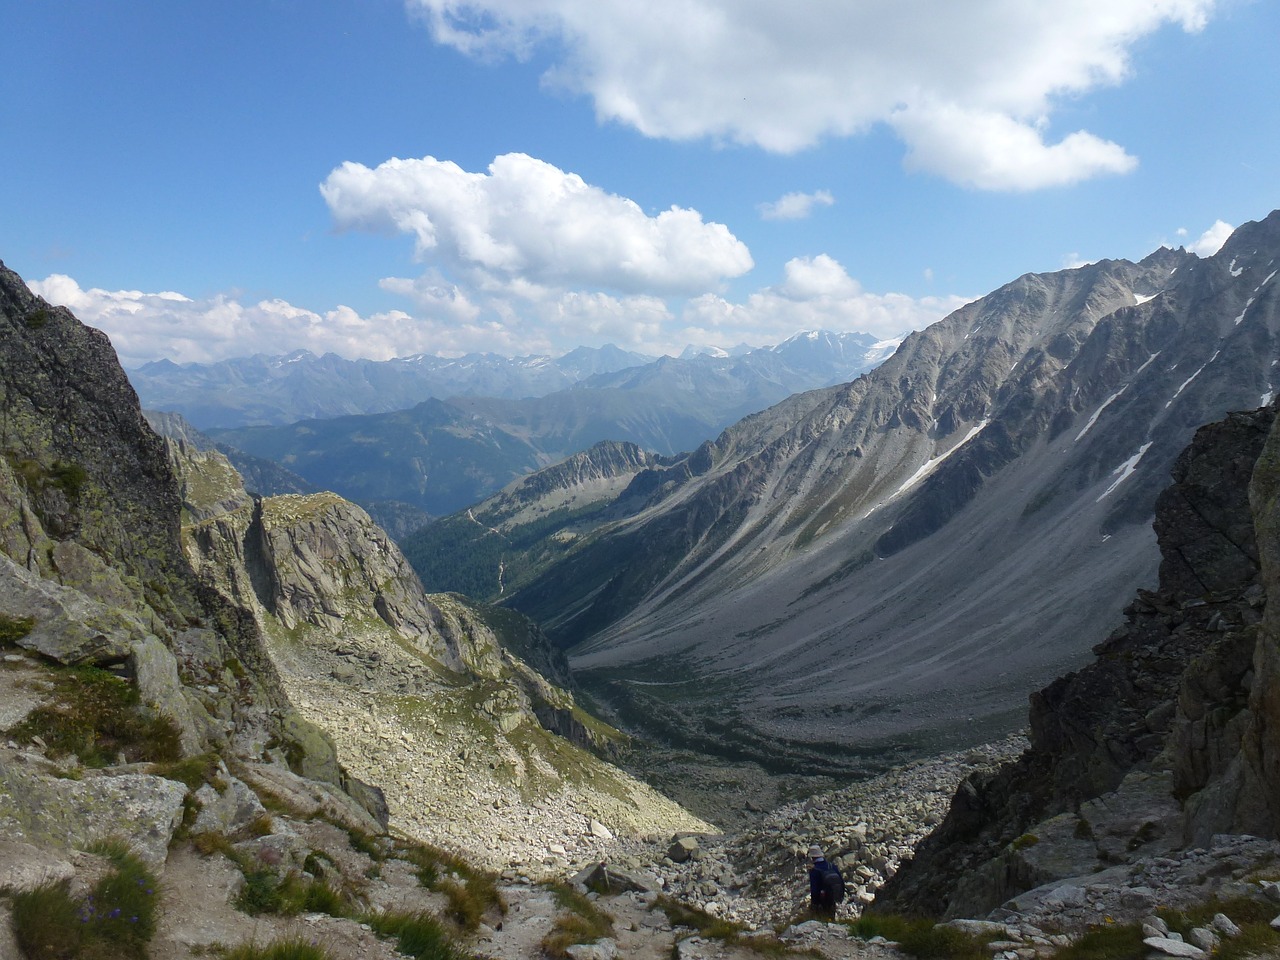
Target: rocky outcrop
pixel 1156 745
pixel 428 696
pixel 89 537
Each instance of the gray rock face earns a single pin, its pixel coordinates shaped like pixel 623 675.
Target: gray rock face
pixel 1173 678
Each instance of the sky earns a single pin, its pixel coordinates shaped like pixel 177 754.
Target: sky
pixel 380 178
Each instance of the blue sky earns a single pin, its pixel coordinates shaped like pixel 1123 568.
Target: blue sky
pixel 387 177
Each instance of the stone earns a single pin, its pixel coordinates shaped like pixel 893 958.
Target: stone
pixel 228 812
pixel 1067 895
pixel 1175 948
pixel 1204 938
pixel 605 949
pixel 1225 926
pixel 142 810
pixel 682 848
pixel 24 866
pixel 600 831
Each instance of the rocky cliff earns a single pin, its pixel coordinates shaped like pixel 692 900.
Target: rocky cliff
pixel 1168 738
pixel 90 551
pixel 422 694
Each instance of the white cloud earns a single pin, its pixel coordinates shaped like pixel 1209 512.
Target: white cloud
pixel 1211 240
pixel 795 206
pixel 152 326
pixel 528 222
pixel 816 293
pixel 993 151
pixel 1073 261
pixel 959 82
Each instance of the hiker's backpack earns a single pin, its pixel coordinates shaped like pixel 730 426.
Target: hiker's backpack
pixel 832 885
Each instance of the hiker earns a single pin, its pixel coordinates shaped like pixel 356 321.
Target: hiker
pixel 826 885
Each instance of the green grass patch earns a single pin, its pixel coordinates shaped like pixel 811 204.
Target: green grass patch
pixel 581 922
pixel 1121 941
pixel 191 772
pixel 471 892
pixel 13 629
pixel 267 892
pixel 293 948
pixel 1257 939
pixel 922 939
pixel 98 717
pixel 417 935
pixel 683 915
pixel 114 921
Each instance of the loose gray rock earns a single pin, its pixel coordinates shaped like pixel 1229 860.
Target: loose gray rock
pixel 1175 948
pixel 1225 926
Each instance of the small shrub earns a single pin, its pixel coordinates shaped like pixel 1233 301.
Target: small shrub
pixel 321 897
pixel 261 826
pixel 366 843
pixel 1024 841
pixel 37 318
pixel 583 922
pixel 191 772
pixel 122 906
pixel 265 892
pixel 207 844
pixel 70 478
pixel 470 899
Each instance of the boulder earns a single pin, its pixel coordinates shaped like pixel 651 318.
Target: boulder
pixel 1175 948
pixel 41 807
pixel 682 848
pixel 228 812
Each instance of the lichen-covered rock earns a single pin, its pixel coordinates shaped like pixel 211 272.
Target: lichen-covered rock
pixel 40 806
pixel 227 811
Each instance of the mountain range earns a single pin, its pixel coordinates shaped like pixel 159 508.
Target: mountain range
pixel 442 455
pixel 277 390
pixel 194 677
pixel 893 562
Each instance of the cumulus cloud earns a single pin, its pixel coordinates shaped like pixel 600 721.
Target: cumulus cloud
pixel 959 82
pixel 154 326
pixel 816 293
pixel 795 206
pixel 524 221
pixel 993 151
pixel 1211 240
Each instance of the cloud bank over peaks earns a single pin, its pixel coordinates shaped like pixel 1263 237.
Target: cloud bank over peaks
pixel 816 294
pixel 524 221
pixel 154 326
pixel 969 87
